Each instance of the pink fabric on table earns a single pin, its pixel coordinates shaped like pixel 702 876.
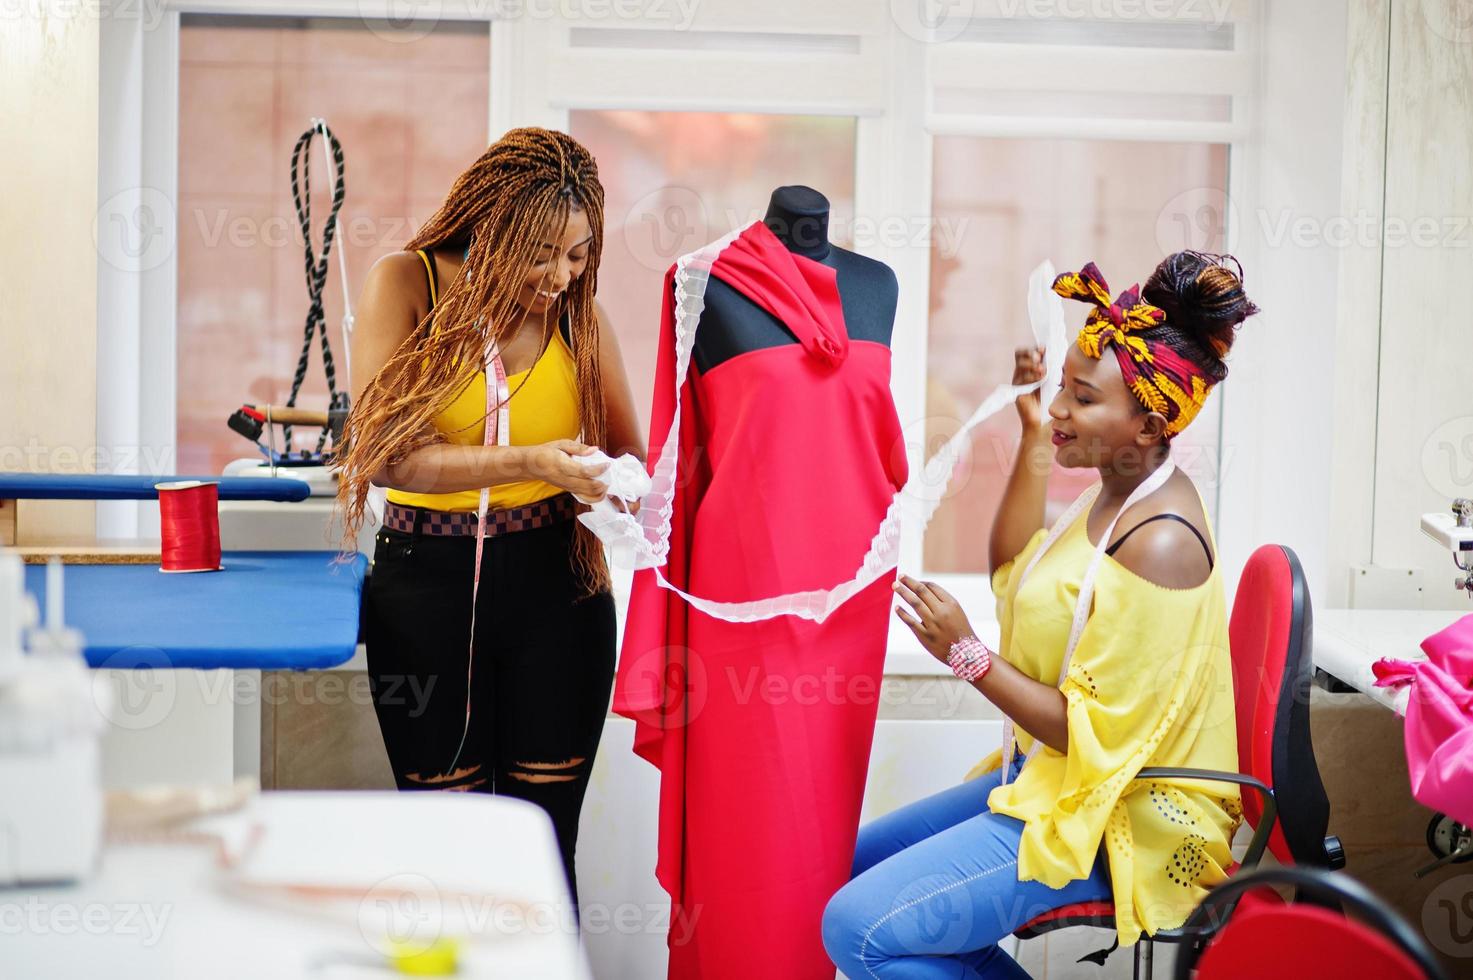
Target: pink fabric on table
pixel 1439 719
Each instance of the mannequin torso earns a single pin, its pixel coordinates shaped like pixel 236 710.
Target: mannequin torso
pixel 732 324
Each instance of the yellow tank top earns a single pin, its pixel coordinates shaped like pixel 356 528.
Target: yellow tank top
pixel 543 408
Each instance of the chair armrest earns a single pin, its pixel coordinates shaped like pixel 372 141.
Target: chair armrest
pixel 1259 842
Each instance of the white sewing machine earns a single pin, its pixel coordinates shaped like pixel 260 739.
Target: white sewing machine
pixel 1454 531
pixel 1348 641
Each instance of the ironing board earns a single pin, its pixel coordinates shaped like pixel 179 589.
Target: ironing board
pixel 114 486
pixel 268 610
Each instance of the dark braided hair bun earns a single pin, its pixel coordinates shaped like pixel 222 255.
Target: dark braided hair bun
pixel 1204 301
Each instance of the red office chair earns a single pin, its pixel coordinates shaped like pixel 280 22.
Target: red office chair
pixel 1304 940
pixel 1270 637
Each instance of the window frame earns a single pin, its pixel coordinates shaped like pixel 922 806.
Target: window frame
pixel 882 74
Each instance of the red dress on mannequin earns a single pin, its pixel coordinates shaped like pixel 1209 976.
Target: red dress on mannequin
pixel 789 457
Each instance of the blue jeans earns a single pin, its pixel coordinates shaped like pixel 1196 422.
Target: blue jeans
pixel 935 888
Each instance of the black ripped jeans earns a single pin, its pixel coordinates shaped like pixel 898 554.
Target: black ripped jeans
pixel 541 682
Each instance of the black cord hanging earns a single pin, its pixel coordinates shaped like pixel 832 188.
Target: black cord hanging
pixel 316 268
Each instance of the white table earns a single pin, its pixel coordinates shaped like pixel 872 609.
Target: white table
pixel 1348 641
pixel 423 865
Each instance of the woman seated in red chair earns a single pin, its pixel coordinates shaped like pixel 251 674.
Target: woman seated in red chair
pixel 1114 657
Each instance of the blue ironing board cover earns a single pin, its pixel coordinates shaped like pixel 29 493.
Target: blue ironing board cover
pixel 271 610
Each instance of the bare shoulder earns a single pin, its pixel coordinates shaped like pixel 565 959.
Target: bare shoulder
pixel 394 299
pixel 395 295
pixel 400 274
pixel 1166 552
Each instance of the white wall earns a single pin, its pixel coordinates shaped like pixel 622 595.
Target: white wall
pixel 1403 407
pixel 1424 400
pixel 1357 353
pixel 1277 419
pixel 48 308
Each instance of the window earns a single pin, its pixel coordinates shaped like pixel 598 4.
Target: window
pixel 1008 204
pixel 674 181
pixel 411 114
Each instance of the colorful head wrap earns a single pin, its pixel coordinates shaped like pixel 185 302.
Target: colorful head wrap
pixel 1163 380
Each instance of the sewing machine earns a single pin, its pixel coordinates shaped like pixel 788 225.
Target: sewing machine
pixel 1454 531
pixel 1348 641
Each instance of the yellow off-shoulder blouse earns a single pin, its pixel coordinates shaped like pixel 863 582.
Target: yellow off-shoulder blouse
pixel 1150 684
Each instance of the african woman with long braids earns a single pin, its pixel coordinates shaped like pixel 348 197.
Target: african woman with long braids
pixel 491 679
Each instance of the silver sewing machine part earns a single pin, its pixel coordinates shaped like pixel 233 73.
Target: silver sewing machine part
pixel 1454 531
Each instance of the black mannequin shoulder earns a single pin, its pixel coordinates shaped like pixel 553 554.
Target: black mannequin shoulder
pixel 863 278
pixel 863 265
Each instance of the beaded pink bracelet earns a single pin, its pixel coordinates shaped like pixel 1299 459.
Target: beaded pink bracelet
pixel 970 658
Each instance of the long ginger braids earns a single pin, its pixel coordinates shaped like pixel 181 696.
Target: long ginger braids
pixel 502 206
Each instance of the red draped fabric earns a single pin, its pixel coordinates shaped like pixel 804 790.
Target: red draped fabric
pixel 789 458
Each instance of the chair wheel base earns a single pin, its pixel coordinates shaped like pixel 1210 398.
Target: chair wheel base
pixel 1335 853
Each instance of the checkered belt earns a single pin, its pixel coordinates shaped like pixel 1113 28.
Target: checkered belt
pixel 553 510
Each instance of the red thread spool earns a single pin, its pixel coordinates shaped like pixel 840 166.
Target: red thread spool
pixel 189 523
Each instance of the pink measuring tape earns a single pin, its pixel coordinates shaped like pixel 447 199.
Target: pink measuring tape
pixel 498 433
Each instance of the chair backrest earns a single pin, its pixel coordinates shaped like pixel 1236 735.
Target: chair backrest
pixel 1271 638
pixel 1305 940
